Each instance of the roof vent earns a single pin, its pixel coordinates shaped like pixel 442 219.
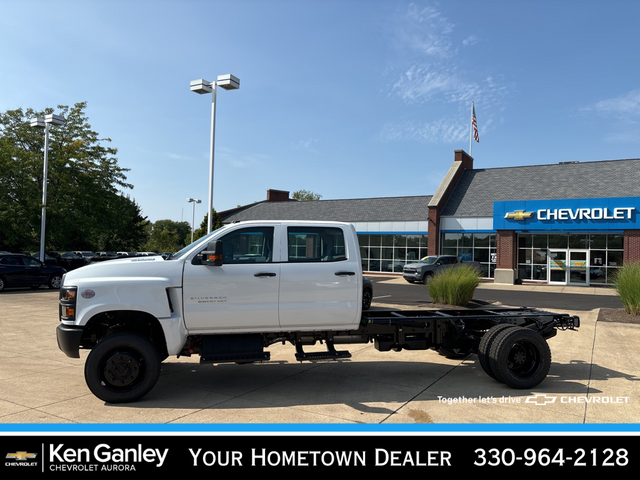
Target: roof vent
pixel 568 163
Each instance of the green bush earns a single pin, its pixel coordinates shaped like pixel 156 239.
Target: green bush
pixel 454 286
pixel 627 284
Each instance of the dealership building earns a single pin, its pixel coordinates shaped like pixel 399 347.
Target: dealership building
pixel 569 223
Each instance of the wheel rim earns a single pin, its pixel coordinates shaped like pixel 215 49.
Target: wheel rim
pixel 367 298
pixel 122 370
pixel 523 359
pixel 56 282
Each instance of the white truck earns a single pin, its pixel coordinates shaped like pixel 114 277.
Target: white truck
pixel 230 295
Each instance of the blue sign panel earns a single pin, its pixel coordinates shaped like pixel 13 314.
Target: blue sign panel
pixel 568 214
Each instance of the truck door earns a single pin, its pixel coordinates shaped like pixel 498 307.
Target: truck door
pixel 240 294
pixel 321 278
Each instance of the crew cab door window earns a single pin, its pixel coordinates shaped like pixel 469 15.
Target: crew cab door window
pixel 316 244
pixel 249 245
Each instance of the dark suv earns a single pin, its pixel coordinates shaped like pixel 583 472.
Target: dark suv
pixel 17 270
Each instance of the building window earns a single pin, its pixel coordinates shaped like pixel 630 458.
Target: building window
pixel 477 247
pixel 605 253
pixel 389 253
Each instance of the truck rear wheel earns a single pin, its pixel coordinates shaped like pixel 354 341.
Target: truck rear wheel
pixel 123 367
pixel 519 357
pixel 485 346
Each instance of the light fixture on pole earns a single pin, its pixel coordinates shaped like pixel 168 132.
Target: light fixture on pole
pixel 193 215
pixel 44 123
pixel 201 86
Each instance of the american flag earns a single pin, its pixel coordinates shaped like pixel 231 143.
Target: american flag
pixel 474 123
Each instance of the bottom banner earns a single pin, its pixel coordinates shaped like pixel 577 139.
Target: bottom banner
pixel 51 455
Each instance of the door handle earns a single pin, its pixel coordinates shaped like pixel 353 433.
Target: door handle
pixel 343 273
pixel 264 274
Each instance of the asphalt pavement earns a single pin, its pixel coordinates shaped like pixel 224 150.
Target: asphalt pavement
pixel 594 379
pixel 394 289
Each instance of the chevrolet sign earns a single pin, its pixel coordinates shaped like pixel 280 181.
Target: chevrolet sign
pixel 619 213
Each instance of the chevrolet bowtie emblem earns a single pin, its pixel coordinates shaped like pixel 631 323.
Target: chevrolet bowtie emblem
pixel 519 215
pixel 21 455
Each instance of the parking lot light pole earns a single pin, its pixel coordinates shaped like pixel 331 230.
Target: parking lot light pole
pixel 44 123
pixel 201 86
pixel 193 215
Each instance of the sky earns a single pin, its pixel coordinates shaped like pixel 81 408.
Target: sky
pixel 344 98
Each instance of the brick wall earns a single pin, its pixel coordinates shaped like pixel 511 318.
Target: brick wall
pixel 631 246
pixel 506 249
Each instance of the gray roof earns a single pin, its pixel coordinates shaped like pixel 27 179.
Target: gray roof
pixel 351 210
pixel 477 189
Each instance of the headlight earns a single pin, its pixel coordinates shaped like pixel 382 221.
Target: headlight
pixel 67 311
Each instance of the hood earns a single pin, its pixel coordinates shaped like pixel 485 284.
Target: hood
pixel 127 270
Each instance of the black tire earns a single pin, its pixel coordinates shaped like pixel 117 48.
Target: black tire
pixel 427 277
pixel 2 284
pixel 485 346
pixel 55 281
pixel 123 367
pixel 520 358
pixel 367 297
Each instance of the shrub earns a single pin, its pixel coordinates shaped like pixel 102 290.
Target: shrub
pixel 627 284
pixel 454 286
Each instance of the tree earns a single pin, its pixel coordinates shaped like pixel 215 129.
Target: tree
pixel 168 236
pixel 215 224
pixel 305 196
pixel 86 206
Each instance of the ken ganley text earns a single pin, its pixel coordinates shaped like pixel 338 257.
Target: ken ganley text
pixel 104 457
pixel 320 458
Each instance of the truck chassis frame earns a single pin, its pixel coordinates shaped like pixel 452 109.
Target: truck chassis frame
pixel 511 344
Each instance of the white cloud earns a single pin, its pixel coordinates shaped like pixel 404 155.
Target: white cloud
pixel 627 105
pixel 307 145
pixel 621 115
pixel 427 31
pixel 441 130
pixel 470 41
pixel 435 75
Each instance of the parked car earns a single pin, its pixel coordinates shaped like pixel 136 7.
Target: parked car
pixel 17 270
pixel 367 293
pixel 423 270
pixel 70 260
pixel 48 259
pixel 88 256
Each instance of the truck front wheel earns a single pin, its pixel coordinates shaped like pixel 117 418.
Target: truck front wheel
pixel 123 367
pixel 519 357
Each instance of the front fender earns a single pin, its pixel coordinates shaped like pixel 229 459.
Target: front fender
pixel 147 295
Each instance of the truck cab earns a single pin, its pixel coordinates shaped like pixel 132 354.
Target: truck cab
pixel 218 297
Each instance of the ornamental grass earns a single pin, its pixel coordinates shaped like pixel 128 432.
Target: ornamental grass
pixel 454 286
pixel 627 283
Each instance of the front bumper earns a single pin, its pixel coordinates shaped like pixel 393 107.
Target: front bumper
pixel 69 340
pixel 414 276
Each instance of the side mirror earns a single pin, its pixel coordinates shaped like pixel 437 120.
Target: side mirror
pixel 212 256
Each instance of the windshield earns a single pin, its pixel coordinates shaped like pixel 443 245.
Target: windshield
pixel 185 250
pixel 429 260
